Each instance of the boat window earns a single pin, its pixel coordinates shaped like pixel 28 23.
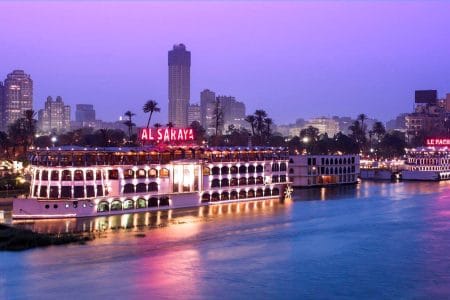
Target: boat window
pixel 141 203
pixel 90 191
pixel 54 191
pixel 89 175
pixel 206 171
pixel 259 168
pixel 164 201
pixel 66 191
pixel 141 188
pixel 164 173
pixel 141 173
pixel 153 202
pixel 54 176
pixel 128 204
pixel 127 174
pixel 43 191
pixel 128 188
pixel 66 175
pixel 99 190
pixel 153 187
pixel 152 173
pixel 116 205
pixel 78 175
pixel 44 175
pixel 113 174
pixel 78 191
pixel 103 206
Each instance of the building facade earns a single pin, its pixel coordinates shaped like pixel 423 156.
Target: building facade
pixel 321 170
pixel 207 106
pixel 325 125
pixel 233 111
pixel 194 113
pixel 179 60
pixel 84 113
pixel 55 117
pixel 17 97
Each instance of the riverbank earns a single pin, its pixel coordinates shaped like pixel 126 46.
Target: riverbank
pixel 16 239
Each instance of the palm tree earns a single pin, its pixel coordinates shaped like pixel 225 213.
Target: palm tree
pixel 150 107
pixel 251 120
pixel 157 125
pixel 362 118
pixel 268 122
pixel 260 115
pixel 129 123
pixel 170 125
pixel 379 130
pixel 4 143
pixel 29 116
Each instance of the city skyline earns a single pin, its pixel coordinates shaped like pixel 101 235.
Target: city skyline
pixel 323 69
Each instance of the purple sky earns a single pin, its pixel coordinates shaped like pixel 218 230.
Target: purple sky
pixel 293 59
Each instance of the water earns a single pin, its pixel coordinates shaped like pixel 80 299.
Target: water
pixel 376 240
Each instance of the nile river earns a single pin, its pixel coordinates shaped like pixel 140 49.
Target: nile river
pixel 374 240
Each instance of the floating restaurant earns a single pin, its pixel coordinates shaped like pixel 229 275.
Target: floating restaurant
pixel 82 182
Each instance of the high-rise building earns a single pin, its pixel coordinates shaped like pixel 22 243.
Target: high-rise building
pixel 2 91
pixel 233 111
pixel 194 113
pixel 207 106
pixel 85 113
pixel 17 97
pixel 179 84
pixel 55 116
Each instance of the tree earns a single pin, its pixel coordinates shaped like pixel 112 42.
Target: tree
pixel 362 118
pixel 199 132
pixel 251 120
pixel 29 116
pixel 393 144
pixel 379 130
pixel 4 143
pixel 169 125
pixel 129 123
pixel 268 129
pixel 358 134
pixel 150 107
pixel 157 125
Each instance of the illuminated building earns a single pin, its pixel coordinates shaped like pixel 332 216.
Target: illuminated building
pixel 179 85
pixel 84 113
pixel 55 117
pixel 194 113
pixel 207 107
pixel 233 111
pixel 17 97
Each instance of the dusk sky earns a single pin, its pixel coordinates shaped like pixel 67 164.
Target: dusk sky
pixel 293 59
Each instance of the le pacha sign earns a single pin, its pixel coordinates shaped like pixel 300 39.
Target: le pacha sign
pixel 438 142
pixel 166 134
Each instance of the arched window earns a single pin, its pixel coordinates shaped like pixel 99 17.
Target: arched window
pixel 164 173
pixel 153 202
pixel 215 197
pixel 233 195
pixel 225 170
pixel 152 173
pixel 164 201
pixel 215 183
pixel 340 161
pixel 225 196
pixel 78 175
pixel 275 167
pixel 259 193
pixel 242 181
pixel 116 205
pixel 251 169
pixel 251 194
pixel 66 175
pixel 103 206
pixel 128 204
pixel 282 178
pixel 242 169
pixel 233 182
pixel 90 175
pixel 128 188
pixel 153 187
pixel 275 192
pixel 275 178
pixel 141 203
pixel 206 197
pixel 291 171
pixel 206 171
pixel 127 174
pixel 225 182
pixel 283 166
pixel 44 175
pixel 233 170
pixel 259 169
pixel 259 180
pixel 251 180
pixel 215 171
pixel 141 173
pixel 141 188
pixel 54 175
pixel 242 194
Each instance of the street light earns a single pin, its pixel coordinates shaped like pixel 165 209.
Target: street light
pixel 54 140
pixel 305 139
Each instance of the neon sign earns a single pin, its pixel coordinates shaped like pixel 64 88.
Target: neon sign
pixel 438 142
pixel 166 134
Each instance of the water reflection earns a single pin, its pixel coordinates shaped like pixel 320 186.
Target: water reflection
pixel 158 219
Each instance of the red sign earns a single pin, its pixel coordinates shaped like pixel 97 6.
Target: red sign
pixel 166 134
pixel 438 142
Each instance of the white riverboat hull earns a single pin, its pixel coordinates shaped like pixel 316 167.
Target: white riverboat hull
pixel 425 175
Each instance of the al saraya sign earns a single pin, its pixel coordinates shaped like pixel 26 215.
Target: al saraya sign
pixel 438 142
pixel 166 134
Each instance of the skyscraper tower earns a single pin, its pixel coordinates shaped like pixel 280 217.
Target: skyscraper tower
pixel 179 85
pixel 17 98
